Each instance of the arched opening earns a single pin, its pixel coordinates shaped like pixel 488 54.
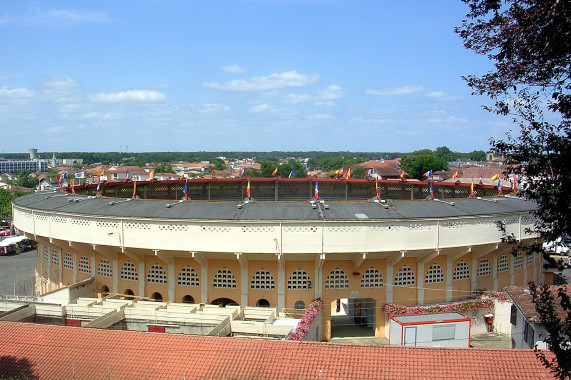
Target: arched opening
pixel 188 299
pixel 129 292
pixel 157 296
pixel 105 290
pixel 224 302
pixel 263 303
pixel 300 305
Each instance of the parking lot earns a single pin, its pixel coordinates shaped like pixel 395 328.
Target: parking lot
pixel 17 273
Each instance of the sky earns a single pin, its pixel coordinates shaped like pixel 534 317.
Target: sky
pixel 239 75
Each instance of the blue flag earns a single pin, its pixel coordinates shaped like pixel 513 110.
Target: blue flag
pixel 292 173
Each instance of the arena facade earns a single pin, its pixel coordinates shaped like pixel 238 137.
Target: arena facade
pixel 280 248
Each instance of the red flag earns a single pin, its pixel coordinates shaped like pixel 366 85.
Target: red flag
pixel 275 171
pixel 455 175
pixel 316 190
pixel 248 190
pixel 377 189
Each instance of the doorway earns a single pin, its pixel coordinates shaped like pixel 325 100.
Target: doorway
pixel 353 317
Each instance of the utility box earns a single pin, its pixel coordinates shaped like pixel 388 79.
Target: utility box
pixel 431 330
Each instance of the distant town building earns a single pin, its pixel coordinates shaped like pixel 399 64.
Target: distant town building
pixel 15 166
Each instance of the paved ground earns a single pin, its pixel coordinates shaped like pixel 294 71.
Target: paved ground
pixel 17 273
pixel 491 340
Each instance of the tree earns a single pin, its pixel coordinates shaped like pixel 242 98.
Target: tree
pixel 419 162
pixel 529 42
pixel 446 155
pixel 477 155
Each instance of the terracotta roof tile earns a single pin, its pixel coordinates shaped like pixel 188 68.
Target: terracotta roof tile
pixel 61 352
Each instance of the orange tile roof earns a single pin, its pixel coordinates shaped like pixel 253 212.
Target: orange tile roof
pixel 62 352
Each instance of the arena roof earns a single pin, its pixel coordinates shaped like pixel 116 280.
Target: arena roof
pixel 62 352
pixel 278 211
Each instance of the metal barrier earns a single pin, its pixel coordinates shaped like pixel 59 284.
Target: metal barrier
pixel 22 287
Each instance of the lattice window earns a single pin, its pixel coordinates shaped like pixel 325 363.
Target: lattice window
pixel 156 275
pixel 461 272
pixel 68 261
pixel 518 261
pixel 372 279
pixel 224 279
pixel 503 264
pixel 529 259
pixel 129 272
pixel 188 277
pixel 55 258
pixel 299 280
pixel 262 280
pixel 46 254
pixel 104 269
pixel 337 279
pixel 84 265
pixel 434 274
pixel 405 277
pixel 484 269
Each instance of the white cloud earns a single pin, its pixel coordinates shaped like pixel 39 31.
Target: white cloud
pixel 265 83
pixel 16 93
pixel 403 90
pixel 332 92
pixel 260 108
pixel 39 16
pixel 295 98
pixel 59 89
pixel 320 116
pixel 129 96
pixel 214 108
pixel 233 69
pixel 439 95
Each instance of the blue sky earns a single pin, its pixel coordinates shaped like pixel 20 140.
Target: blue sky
pixel 252 75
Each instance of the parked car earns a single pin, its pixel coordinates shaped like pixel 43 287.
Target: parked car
pixel 559 246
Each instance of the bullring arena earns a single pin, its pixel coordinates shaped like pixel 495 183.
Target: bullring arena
pixel 280 248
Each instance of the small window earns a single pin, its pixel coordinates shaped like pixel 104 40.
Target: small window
pixel 513 316
pixel 300 305
pixel 443 332
pixel 337 279
pixel 504 264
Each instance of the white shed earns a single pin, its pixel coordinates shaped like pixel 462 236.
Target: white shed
pixel 434 330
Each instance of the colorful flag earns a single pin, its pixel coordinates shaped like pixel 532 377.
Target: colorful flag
pixel 455 175
pixel 347 174
pixel 377 189
pixel 316 191
pixel 98 186
pixel 152 173
pixel 402 178
pixel 370 171
pixel 99 173
pixel 496 176
pixel 248 190
pixel 80 175
pixel 185 189
pixel 514 183
pixel 275 171
pixel 338 172
pixel 308 172
pixel 431 191
pixel 72 186
pixel 213 172
pixel 428 174
pixel 499 187
pixel 134 189
pixel 481 183
pixel 472 188
pixel 292 172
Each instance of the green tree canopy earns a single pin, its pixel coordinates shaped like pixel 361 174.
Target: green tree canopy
pixel 419 162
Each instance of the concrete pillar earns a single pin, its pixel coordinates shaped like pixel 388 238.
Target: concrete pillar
pixel 449 274
pixel 495 270
pixel 171 280
pixel 474 273
pixel 115 275
pixel 420 282
pixel 142 276
pixel 390 281
pixel 281 285
pixel 75 266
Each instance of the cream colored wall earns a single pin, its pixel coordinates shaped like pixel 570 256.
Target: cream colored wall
pixel 123 285
pixel 504 278
pixel 485 282
pixel 461 289
pixel 101 281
